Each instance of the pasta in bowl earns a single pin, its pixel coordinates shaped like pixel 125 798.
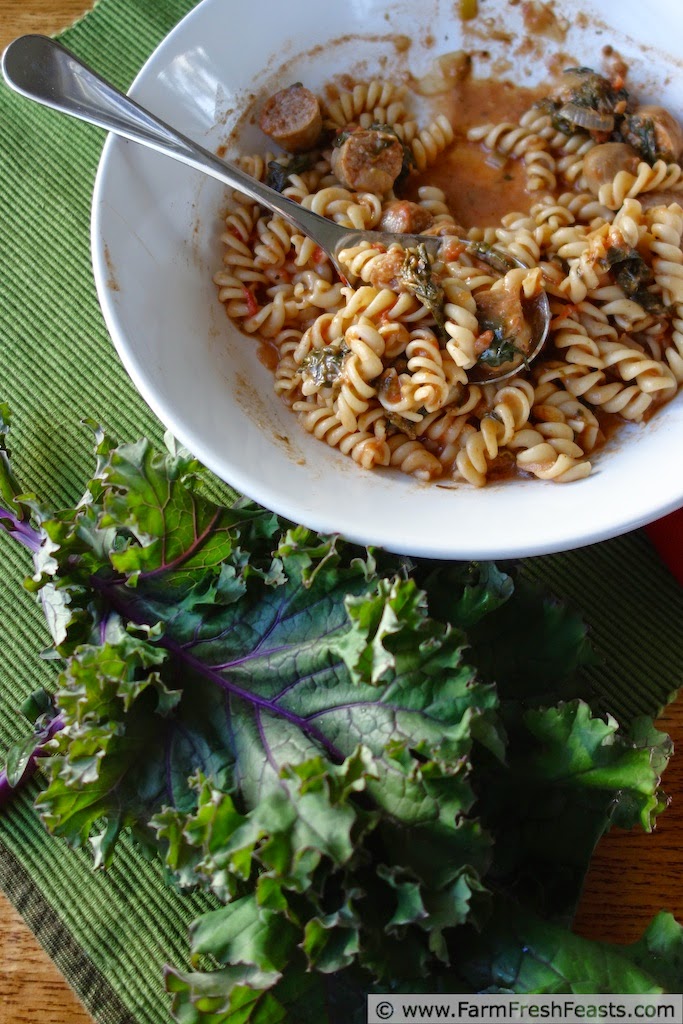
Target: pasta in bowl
pixel 383 370
pixel 388 370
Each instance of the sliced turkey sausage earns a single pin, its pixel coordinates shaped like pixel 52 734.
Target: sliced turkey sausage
pixel 602 163
pixel 650 199
pixel 292 118
pixel 405 218
pixel 386 270
pixel 368 160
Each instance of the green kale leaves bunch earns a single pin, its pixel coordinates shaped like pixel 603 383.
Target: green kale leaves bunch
pixel 381 770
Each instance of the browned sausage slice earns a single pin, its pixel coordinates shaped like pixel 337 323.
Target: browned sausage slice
pixel 601 164
pixel 386 270
pixel 650 199
pixel 405 218
pixel 368 160
pixel 292 118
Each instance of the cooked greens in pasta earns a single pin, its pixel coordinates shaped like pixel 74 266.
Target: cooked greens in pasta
pixel 399 370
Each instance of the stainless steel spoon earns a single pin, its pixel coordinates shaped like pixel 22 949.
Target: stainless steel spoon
pixel 43 70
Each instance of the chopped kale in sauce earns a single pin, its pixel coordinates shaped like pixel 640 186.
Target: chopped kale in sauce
pixel 595 91
pixel 324 365
pixel 408 164
pixel 499 352
pixel 588 101
pixel 633 275
pixel 278 174
pixel 403 425
pixel 502 349
pixel 639 132
pixel 417 276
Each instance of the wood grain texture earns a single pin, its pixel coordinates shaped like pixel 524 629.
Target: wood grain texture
pixel 31 988
pixel 633 875
pixel 43 16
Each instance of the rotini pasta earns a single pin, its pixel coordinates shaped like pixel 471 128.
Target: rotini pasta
pixel 399 370
pixel 379 100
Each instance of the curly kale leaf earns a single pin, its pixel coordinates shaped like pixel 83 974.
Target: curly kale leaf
pixel 323 738
pixel 571 773
pixel 522 953
pixel 333 716
pixel 517 953
pixel 22 756
pixel 13 504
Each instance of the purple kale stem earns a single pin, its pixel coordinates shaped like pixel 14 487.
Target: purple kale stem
pixel 7 792
pixel 20 530
pixel 189 552
pixel 215 674
pixel 253 698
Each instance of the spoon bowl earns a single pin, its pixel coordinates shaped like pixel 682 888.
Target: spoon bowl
pixel 43 70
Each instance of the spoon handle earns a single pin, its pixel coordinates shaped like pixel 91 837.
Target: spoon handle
pixel 43 70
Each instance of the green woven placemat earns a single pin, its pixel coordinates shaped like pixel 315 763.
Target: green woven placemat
pixel 57 365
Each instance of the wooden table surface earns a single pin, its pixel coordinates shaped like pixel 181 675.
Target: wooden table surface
pixel 632 876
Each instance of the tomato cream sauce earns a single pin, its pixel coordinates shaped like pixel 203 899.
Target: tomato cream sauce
pixel 480 186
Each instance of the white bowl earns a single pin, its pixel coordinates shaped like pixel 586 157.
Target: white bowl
pixel 155 248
